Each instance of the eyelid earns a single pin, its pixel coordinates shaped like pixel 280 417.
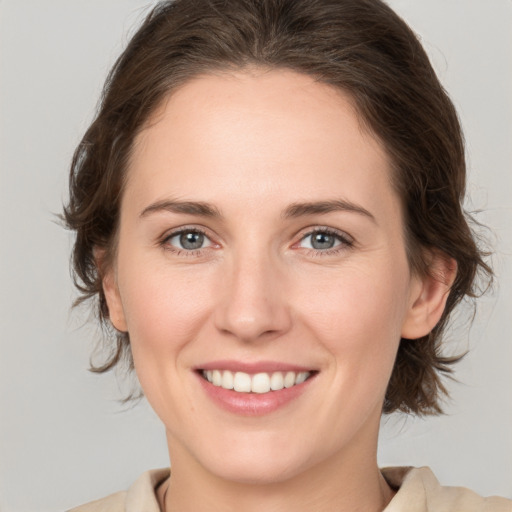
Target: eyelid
pixel 168 235
pixel 184 229
pixel 190 231
pixel 346 241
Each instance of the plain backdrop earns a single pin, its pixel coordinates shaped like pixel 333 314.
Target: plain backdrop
pixel 64 438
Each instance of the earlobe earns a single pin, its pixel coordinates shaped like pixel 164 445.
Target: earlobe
pixel 111 291
pixel 428 297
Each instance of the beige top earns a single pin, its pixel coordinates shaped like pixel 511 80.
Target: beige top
pixel 418 491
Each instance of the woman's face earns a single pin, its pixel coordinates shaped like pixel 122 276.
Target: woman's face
pixel 261 242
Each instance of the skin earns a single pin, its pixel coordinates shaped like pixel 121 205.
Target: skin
pixel 251 144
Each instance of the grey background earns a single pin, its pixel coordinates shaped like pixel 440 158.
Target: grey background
pixel 64 439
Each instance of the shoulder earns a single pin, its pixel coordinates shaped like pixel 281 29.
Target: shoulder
pixel 419 491
pixel 140 496
pixel 113 503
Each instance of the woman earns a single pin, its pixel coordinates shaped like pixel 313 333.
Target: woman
pixel 261 209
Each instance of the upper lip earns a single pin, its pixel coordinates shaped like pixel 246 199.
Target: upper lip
pixel 254 367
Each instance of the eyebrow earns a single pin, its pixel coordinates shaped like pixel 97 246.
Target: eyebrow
pixel 320 207
pixel 294 210
pixel 188 207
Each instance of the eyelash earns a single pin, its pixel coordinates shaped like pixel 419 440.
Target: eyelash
pixel 345 242
pixel 183 252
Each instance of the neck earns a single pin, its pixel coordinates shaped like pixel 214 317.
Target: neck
pixel 344 482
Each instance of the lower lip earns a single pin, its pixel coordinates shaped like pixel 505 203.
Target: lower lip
pixel 252 404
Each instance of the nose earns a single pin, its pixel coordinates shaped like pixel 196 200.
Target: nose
pixel 253 301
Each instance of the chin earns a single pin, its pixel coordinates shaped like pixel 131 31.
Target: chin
pixel 255 462
pixel 256 471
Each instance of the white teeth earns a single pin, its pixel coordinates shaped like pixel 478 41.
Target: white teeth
pixel 227 380
pixel 216 378
pixel 276 381
pixel 242 382
pixel 259 383
pixel 301 377
pixel 289 379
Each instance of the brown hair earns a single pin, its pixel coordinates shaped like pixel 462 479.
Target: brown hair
pixel 359 46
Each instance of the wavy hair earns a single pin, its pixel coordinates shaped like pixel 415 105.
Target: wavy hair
pixel 359 46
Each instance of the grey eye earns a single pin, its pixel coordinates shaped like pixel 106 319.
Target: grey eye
pixel 321 240
pixel 189 240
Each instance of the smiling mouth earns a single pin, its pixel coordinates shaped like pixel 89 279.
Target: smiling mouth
pixel 242 382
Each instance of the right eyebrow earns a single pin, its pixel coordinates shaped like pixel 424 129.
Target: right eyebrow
pixel 188 207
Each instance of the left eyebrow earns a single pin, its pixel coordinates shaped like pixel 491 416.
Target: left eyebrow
pixel 320 207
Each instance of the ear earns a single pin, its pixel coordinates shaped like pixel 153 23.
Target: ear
pixel 111 290
pixel 428 296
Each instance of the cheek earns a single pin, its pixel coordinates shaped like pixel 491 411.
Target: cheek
pixel 358 301
pixel 164 311
pixel 359 318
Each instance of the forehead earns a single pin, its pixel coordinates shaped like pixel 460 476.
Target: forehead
pixel 257 134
